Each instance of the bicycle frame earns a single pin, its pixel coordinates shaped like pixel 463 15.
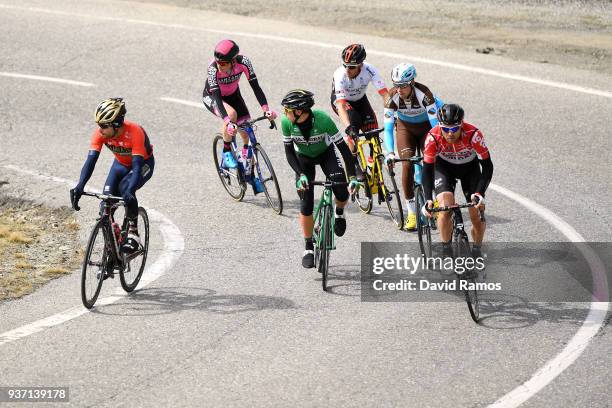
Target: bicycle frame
pixel 374 141
pixel 248 128
pixel 325 201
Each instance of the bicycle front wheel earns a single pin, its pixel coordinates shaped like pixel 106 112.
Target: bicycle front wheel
pixel 423 226
pixel 390 192
pixel 266 175
pixel 363 196
pixel 325 245
pixel 470 291
pixel 232 179
pixel 94 267
pixel 134 264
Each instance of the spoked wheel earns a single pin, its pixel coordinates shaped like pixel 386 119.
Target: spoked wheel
pixel 363 195
pixel 231 179
pixel 423 223
pixel 471 294
pixel 325 246
pixel 134 264
pixel 95 265
pixel 265 172
pixel 391 193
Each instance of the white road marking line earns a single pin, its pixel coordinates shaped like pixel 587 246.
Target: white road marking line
pixel 183 102
pixel 483 71
pixel 174 245
pixel 591 325
pixel 45 78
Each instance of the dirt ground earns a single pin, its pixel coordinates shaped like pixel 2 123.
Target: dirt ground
pixel 37 244
pixel 566 32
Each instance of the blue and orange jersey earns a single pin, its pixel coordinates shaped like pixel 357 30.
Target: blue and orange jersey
pixel 132 141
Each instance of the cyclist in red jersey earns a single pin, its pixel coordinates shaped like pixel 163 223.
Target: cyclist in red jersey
pixel 132 168
pixel 456 150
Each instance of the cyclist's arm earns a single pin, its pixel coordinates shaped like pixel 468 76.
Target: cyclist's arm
pixel 389 122
pixel 138 152
pixel 378 83
pixel 486 175
pixel 88 168
pixel 212 85
pixel 428 179
pixel 249 72
pixel 432 110
pixel 259 93
pixel 292 159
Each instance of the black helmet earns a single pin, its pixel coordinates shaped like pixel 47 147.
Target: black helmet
pixel 353 54
pixel 450 114
pixel 226 50
pixel 298 99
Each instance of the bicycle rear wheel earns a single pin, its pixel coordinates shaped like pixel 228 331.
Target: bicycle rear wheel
pixel 390 192
pixel 471 293
pixel 134 264
pixel 325 245
pixel 266 175
pixel 94 267
pixel 232 179
pixel 363 196
pixel 423 227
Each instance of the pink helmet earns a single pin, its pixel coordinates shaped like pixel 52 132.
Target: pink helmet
pixel 226 50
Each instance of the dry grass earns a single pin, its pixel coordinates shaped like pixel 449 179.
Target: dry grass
pixel 19 237
pixel 30 238
pixel 55 272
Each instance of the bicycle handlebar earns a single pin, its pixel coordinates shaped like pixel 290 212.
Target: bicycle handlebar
pixel 454 206
pixel 104 197
pixel 414 159
pixel 370 133
pixel 250 123
pixel 328 183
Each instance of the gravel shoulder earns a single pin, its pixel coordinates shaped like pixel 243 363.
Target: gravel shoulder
pixel 565 32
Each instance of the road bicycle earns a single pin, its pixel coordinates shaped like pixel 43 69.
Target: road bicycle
pixel 461 249
pixel 323 232
pixel 380 178
pixel 103 256
pixel 258 165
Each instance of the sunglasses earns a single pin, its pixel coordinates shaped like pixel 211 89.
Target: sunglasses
pixel 350 67
pixel 105 126
pixel 403 86
pixel 289 110
pixel 224 63
pixel 450 129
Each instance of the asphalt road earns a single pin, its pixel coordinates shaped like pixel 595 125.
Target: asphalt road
pixel 236 321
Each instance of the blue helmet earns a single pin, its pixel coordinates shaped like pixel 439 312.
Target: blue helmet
pixel 403 74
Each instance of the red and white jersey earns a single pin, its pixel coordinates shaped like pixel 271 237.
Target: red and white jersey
pixel 470 145
pixel 348 89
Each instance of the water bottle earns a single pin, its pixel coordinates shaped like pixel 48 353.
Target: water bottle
pixel 418 170
pixel 117 231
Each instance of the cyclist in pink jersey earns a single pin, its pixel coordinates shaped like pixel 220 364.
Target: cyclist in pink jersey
pixel 222 97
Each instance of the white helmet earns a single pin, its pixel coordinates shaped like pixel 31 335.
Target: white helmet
pixel 403 74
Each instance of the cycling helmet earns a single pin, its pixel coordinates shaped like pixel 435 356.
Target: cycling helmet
pixel 403 74
pixel 111 111
pixel 298 99
pixel 353 54
pixel 226 50
pixel 450 114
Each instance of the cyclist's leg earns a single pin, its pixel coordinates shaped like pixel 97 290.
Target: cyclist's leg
pixel 469 183
pixel 333 169
pixel 115 174
pixel 365 118
pixel 146 173
pixel 306 208
pixel 236 101
pixel 444 186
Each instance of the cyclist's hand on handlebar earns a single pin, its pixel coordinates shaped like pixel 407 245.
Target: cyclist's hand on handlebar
pixel 352 131
pixel 353 185
pixel 270 114
pixel 302 183
pixel 390 159
pixel 478 200
pixel 425 210
pixel 75 196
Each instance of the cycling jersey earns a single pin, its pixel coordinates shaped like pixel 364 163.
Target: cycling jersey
pixel 323 133
pixel 220 84
pixel 470 145
pixel 132 141
pixel 422 106
pixel 347 89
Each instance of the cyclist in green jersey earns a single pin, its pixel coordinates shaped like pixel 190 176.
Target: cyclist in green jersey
pixel 310 136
